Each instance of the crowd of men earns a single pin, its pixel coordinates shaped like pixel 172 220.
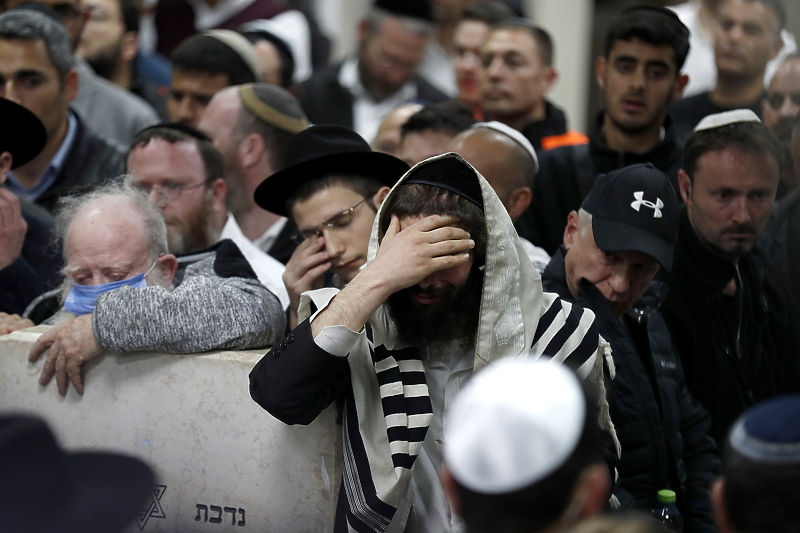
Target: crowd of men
pixel 420 212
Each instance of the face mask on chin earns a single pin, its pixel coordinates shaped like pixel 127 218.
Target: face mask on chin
pixel 82 299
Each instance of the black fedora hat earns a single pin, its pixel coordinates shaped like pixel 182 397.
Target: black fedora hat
pixel 46 489
pixel 22 134
pixel 321 150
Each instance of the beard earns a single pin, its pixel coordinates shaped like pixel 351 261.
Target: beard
pixel 105 62
pixel 195 233
pixel 454 315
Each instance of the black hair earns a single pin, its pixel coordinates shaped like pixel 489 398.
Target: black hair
pixel 130 15
pixel 361 185
pixel 539 505
pixel 654 25
pixel 212 159
pixel 206 54
pixel 750 137
pixel 760 497
pixel 543 40
pixel 489 12
pixel 284 53
pixel 448 116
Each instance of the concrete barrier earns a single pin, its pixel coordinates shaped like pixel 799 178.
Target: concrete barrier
pixel 223 463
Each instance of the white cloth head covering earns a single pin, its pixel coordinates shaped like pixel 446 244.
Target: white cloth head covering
pixel 515 424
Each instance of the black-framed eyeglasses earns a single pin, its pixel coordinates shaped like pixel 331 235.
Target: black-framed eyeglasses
pixel 170 190
pixel 334 224
pixel 776 100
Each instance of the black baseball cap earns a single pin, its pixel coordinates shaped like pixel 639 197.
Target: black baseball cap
pixel 635 209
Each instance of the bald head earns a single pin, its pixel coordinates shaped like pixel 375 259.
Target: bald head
pixel 504 163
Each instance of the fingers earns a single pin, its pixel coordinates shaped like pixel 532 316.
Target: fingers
pixel 73 370
pixel 49 367
pixel 22 323
pixel 41 345
pixel 393 229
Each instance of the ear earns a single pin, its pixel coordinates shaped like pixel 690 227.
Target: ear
pixel 550 77
pixel 70 90
pixel 591 492
pixel 380 196
pixel 6 160
pixel 777 46
pixel 685 185
pixel 363 31
pixel 251 150
pixel 219 190
pixel 168 264
pixel 130 45
pixel 450 489
pixel 600 72
pixel 518 202
pixel 572 229
pixel 680 85
pixel 718 506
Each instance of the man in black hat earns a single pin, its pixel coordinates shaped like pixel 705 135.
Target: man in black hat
pixel 359 92
pixel 443 293
pixel 28 265
pixel 331 187
pixel 613 246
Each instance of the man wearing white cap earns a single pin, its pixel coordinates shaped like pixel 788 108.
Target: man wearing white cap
pixel 521 450
pixel 736 337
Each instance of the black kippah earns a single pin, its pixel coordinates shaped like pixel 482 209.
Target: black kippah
pixel 179 126
pixel 449 173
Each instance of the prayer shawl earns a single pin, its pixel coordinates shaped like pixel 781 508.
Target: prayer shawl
pixel 388 410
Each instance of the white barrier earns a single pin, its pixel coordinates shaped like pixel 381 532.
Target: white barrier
pixel 223 464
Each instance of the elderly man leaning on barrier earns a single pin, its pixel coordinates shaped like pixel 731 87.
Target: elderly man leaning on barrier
pixel 119 295
pixel 447 289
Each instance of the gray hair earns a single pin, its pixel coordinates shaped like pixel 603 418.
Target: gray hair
pixel 376 16
pixel 29 25
pixel 155 230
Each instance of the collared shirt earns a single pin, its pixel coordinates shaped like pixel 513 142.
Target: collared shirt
pixel 267 240
pixel 48 177
pixel 367 113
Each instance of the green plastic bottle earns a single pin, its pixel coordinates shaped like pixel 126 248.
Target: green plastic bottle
pixel 666 512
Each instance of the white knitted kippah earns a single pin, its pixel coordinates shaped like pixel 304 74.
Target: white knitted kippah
pixel 515 135
pixel 726 117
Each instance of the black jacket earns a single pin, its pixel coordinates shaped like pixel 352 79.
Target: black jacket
pixel 91 160
pixel 566 175
pixel 554 123
pixel 662 430
pixel 327 102
pixel 735 350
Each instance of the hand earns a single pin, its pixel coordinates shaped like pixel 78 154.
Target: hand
pixel 305 271
pixel 12 228
pixel 67 346
pixel 428 245
pixel 11 323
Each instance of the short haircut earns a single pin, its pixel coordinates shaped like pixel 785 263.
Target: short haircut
pixel 490 12
pixel 212 159
pixel 376 16
pixel 284 53
pixel 276 140
pixel 30 25
pixel 361 185
pixel 753 138
pixel 416 199
pixel 208 55
pixel 543 40
pixel 154 226
pixel 776 6
pixel 657 26
pixel 760 497
pixel 130 15
pixel 537 506
pixel 448 116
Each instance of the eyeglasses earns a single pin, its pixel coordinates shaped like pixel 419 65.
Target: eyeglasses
pixel 170 190
pixel 334 224
pixel 776 100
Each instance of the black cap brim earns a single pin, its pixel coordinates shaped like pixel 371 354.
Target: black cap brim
pixel 613 236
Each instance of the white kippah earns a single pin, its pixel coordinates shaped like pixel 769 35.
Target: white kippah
pixel 726 117
pixel 243 48
pixel 515 135
pixel 513 425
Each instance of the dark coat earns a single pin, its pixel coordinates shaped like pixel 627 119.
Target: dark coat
pixel 91 160
pixel 327 102
pixel 737 350
pixel 566 175
pixel 662 430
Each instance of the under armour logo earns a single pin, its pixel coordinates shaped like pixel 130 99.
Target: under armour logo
pixel 640 201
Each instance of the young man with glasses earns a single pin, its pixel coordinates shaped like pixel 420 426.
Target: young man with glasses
pixel 181 172
pixel 331 188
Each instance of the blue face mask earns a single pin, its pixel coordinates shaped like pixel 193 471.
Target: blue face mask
pixel 82 299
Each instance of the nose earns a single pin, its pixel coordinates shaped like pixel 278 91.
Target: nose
pixel 495 68
pixel 620 280
pixel 789 108
pixel 333 245
pixel 430 281
pixel 187 112
pixel 741 211
pixel 638 79
pixel 10 92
